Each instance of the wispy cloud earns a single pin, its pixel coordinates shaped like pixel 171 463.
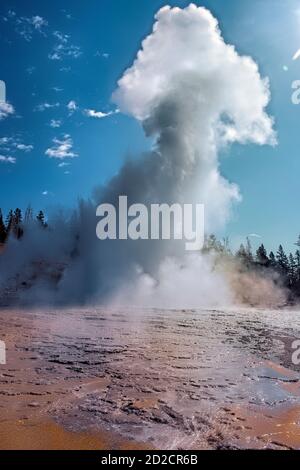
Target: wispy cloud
pixel 98 114
pixel 6 109
pixel 15 142
pixel 103 55
pixel 43 106
pixel 4 159
pixel 12 146
pixel 38 22
pixel 63 48
pixel 67 14
pixel 254 235
pixel 65 69
pixel 63 164
pixel 24 148
pixel 5 140
pixel 72 106
pixel 57 89
pixel 55 123
pixel 26 26
pixel 62 148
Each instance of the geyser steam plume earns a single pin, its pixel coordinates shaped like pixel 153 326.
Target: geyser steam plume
pixel 193 94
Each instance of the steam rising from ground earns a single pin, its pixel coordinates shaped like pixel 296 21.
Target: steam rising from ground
pixel 193 94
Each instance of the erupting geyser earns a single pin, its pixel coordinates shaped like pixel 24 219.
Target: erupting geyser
pixel 193 94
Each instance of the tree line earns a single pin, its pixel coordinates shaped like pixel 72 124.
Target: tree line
pixel 13 224
pixel 283 268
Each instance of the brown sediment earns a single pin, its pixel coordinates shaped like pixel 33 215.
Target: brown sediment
pixel 27 399
pixel 263 427
pixel 292 387
pixel 48 435
pixel 279 425
pixel 99 379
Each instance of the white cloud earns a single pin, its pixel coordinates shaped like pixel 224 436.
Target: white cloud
pixel 4 159
pixel 45 193
pixel 38 22
pixel 13 145
pixel 6 109
pixel 254 235
pixel 72 106
pixel 61 37
pixel 5 140
pixel 27 26
pixel 43 106
pixel 55 123
pixel 65 69
pixel 98 114
pixel 63 49
pixel 67 14
pixel 63 164
pixel 104 55
pixel 62 148
pixel 24 148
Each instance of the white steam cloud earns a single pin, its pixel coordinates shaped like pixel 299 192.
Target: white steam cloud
pixel 195 93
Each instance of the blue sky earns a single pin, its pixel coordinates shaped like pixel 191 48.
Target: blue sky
pixel 61 61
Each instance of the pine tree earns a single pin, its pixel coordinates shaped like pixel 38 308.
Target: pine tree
pixel 244 254
pixel 18 216
pixel 2 229
pixel 226 246
pixel 241 254
pixel 211 243
pixel 297 259
pixel 248 251
pixel 41 219
pixel 282 261
pixel 17 223
pixel 272 260
pixel 28 215
pixel 9 222
pixel 292 274
pixel 261 256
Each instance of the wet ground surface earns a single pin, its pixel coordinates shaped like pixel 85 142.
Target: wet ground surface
pixel 151 378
